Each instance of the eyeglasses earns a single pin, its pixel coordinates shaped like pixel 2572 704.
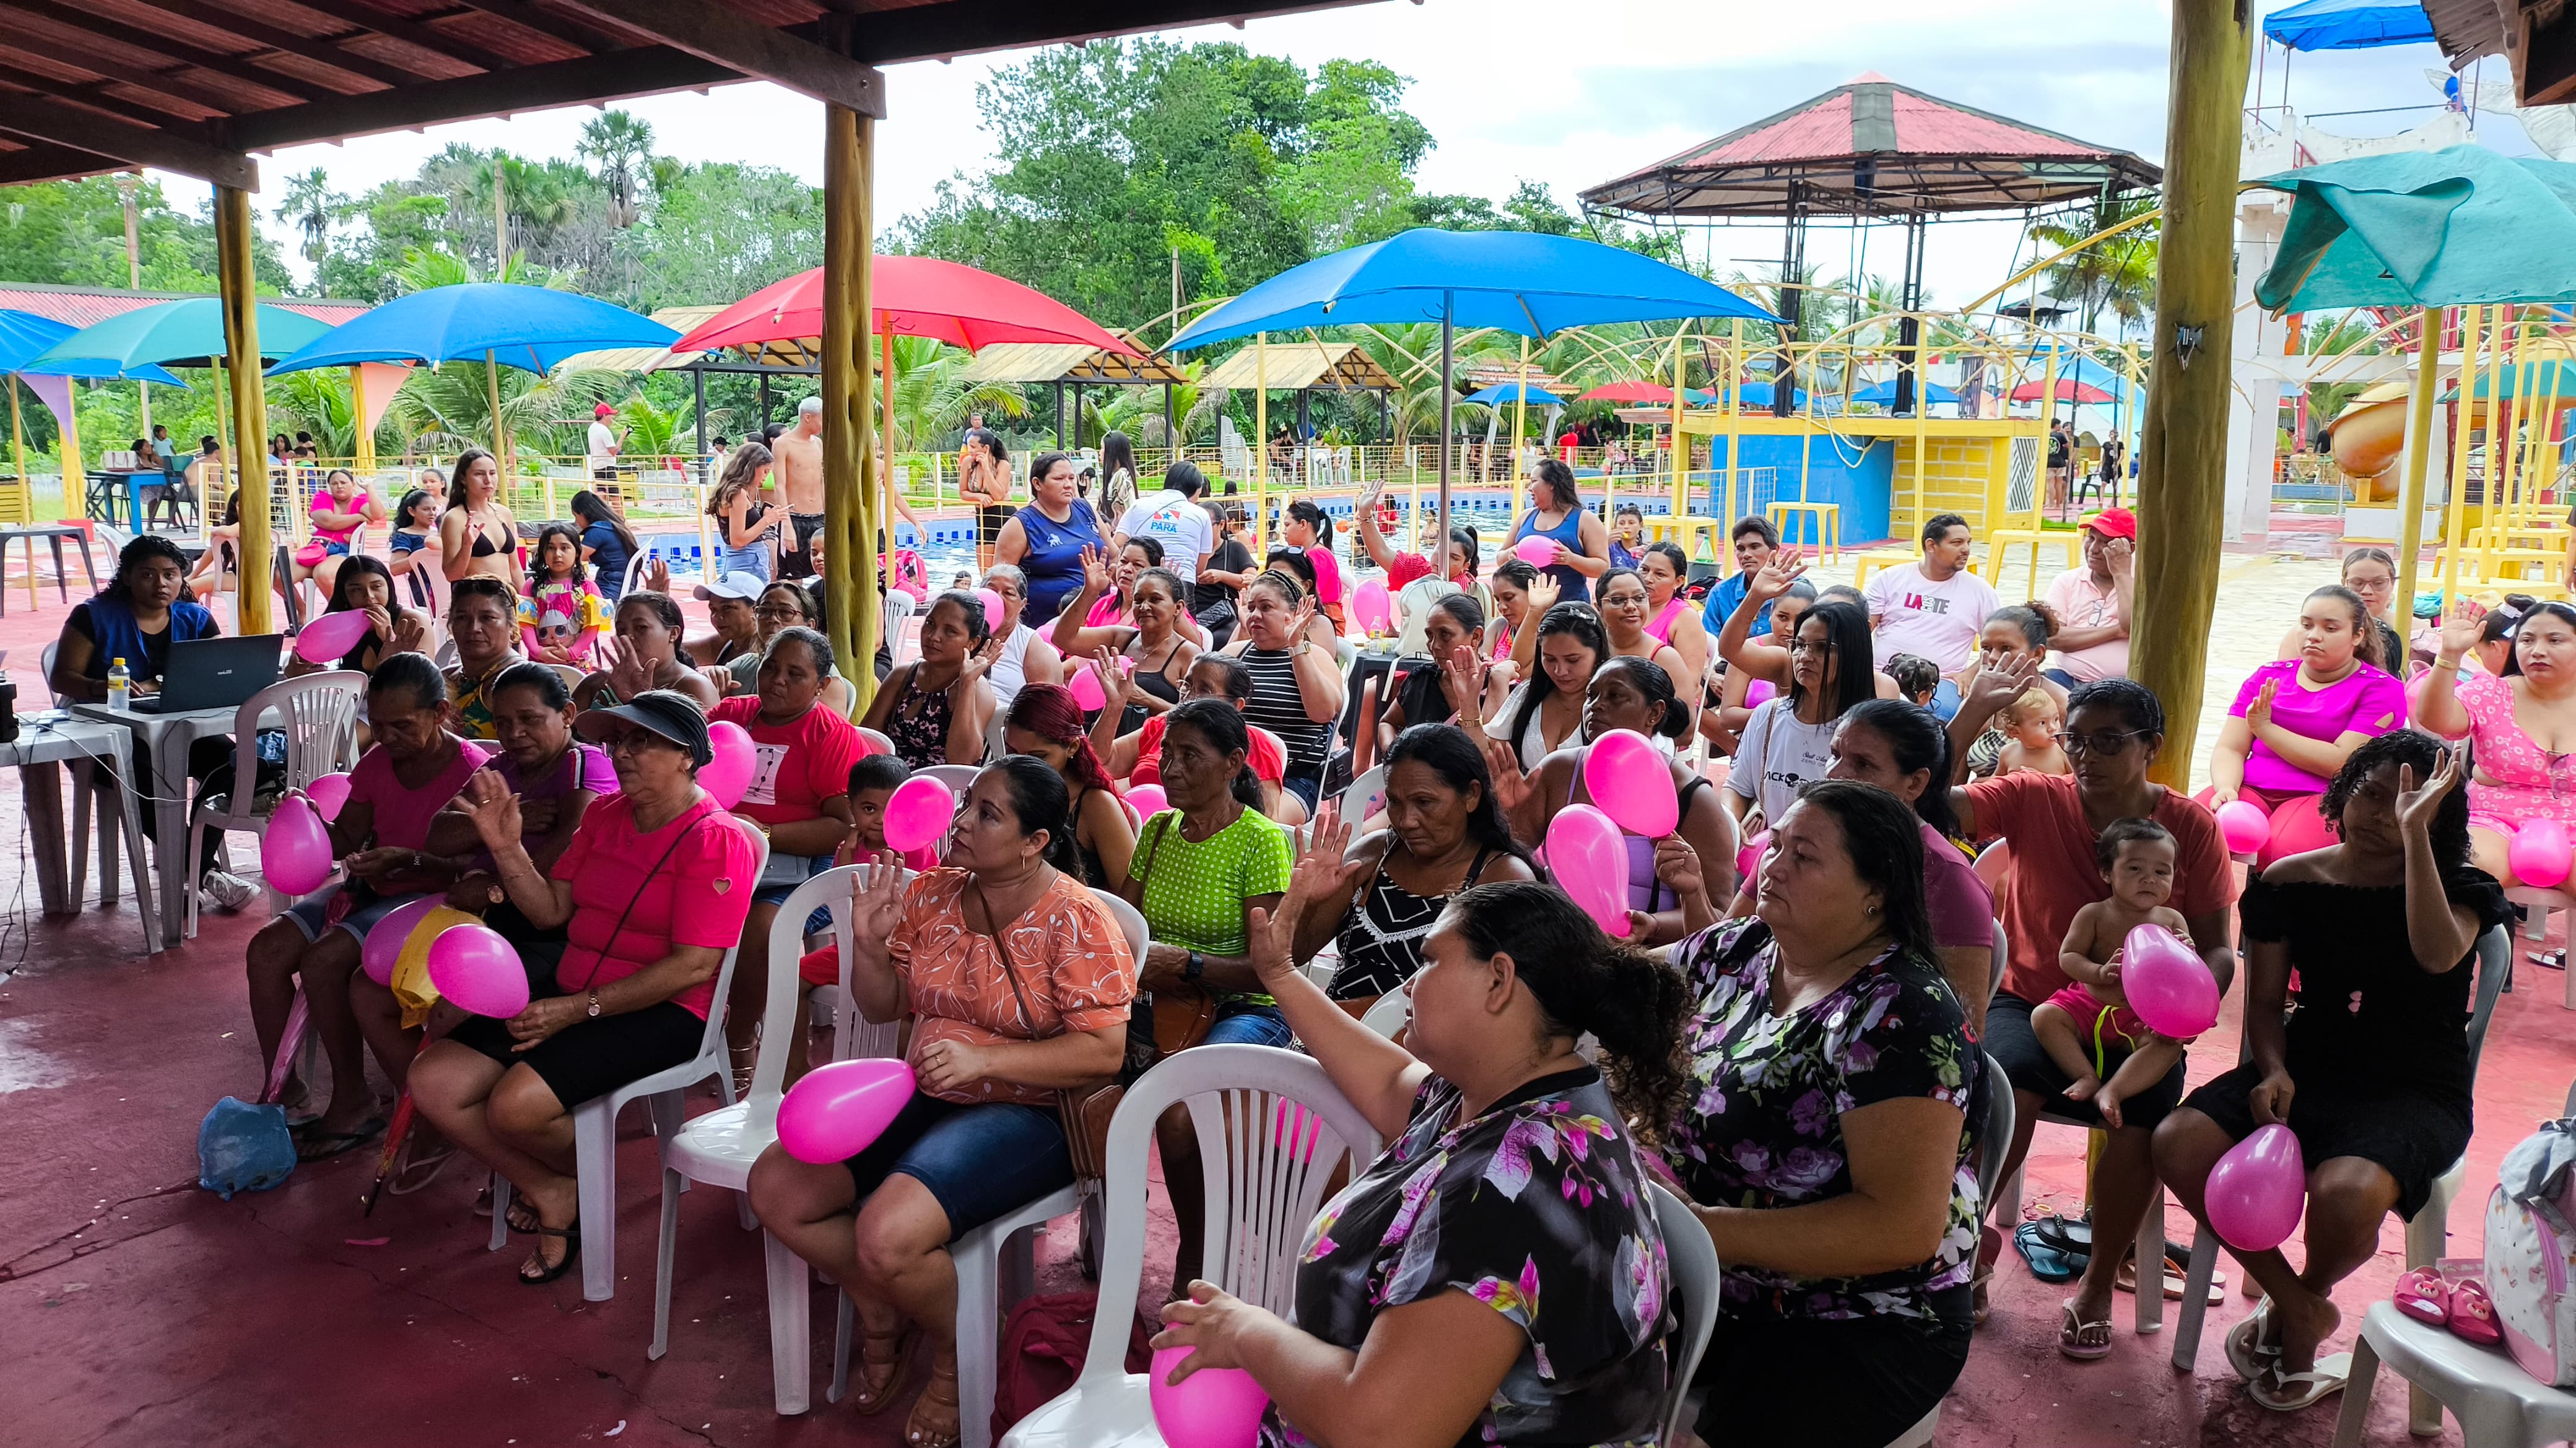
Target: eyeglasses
pixel 2108 745
pixel 780 615
pixel 1798 647
pixel 628 741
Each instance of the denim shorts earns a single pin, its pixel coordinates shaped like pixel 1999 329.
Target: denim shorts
pixel 310 913
pixel 775 887
pixel 979 1162
pixel 1305 786
pixel 1241 1023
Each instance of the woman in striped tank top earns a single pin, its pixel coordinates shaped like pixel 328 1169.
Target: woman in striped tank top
pixel 1296 680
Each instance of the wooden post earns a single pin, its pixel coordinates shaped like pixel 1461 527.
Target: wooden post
pixel 26 484
pixel 2419 435
pixel 233 236
pixel 885 391
pixel 2473 322
pixel 1261 444
pixel 2182 483
pixel 849 423
pixel 365 446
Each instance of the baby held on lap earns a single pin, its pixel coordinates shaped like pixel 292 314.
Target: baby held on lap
pixel 2087 1028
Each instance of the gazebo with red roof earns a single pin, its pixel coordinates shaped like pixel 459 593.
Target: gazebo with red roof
pixel 1870 149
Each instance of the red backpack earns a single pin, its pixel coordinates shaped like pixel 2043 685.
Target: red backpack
pixel 1044 1343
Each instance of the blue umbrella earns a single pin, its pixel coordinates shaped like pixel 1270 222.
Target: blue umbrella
pixel 24 337
pixel 1758 395
pixel 530 328
pixel 1512 281
pixel 1502 392
pixel 2348 24
pixel 1883 394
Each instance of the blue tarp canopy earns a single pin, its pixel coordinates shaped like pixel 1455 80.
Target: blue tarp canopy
pixel 530 328
pixel 1502 392
pixel 2460 226
pixel 24 337
pixel 1756 396
pixel 2348 24
pixel 1883 394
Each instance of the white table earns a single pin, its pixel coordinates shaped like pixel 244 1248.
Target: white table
pixel 44 742
pixel 167 739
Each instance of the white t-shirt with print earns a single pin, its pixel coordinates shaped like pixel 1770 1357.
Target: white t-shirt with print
pixel 1939 621
pixel 1177 523
pixel 1776 754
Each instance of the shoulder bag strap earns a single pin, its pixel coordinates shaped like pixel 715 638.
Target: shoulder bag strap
pixel 623 915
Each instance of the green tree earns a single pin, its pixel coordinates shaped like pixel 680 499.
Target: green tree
pixel 72 233
pixel 312 208
pixel 2114 279
pixel 622 148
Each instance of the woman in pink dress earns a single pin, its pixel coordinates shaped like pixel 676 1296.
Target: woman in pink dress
pixel 2295 722
pixel 2521 727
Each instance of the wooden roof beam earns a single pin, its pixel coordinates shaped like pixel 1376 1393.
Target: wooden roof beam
pixel 243 68
pixel 90 62
pixel 935 32
pixel 324 51
pixel 171 149
pixel 724 37
pixel 42 161
pixel 615 75
pixel 528 17
pixel 94 94
pixel 410 32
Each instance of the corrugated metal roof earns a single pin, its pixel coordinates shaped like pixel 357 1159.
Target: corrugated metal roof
pixel 86 306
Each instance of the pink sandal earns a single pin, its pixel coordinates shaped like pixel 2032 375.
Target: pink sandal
pixel 2422 1296
pixel 2473 1314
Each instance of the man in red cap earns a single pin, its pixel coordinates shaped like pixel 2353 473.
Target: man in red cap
pixel 602 449
pixel 2094 603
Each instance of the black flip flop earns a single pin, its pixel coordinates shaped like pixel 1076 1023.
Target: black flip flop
pixel 572 1254
pixel 315 1146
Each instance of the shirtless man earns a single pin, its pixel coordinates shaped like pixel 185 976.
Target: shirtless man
pixel 800 479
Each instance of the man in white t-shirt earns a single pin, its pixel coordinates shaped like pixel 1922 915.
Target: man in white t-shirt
pixel 602 449
pixel 1934 607
pixel 1174 519
pixel 2093 602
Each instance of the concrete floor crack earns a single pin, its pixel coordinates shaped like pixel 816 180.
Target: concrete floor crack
pixel 20 1265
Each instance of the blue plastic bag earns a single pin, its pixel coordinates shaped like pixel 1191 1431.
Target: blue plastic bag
pixel 243 1148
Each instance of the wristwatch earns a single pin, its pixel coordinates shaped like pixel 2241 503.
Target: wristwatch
pixel 1197 967
pixel 593 1012
pixel 1304 647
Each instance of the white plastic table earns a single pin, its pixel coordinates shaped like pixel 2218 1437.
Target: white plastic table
pixel 166 741
pixel 44 742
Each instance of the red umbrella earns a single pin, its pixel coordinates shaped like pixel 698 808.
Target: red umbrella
pixel 914 296
pixel 2068 390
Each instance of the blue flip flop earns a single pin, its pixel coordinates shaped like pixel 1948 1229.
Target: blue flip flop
pixel 2048 1263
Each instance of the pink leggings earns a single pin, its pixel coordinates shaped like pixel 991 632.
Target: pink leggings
pixel 2296 826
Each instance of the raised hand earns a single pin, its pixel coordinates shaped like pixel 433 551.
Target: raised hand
pixel 491 807
pixel 1511 783
pixel 2417 807
pixel 1772 579
pixel 2120 556
pixel 411 634
pixel 1095 571
pixel 380 623
pixel 1266 943
pixel 2258 714
pixel 977 665
pixel 1544 593
pixel 876 898
pixel 1466 680
pixel 1993 686
pixel 2463 627
pixel 1677 866
pixel 657 574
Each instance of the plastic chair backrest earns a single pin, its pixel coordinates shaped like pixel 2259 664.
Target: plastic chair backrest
pixel 1131 922
pixel 1991 865
pixel 1389 1013
pixel 853 1036
pixel 320 716
pixel 45 663
pixel 830 892
pixel 2003 960
pixel 1997 1141
pixel 2495 964
pixel 1365 797
pixel 1261 1194
pixel 571 674
pixel 711 1041
pixel 1693 1258
pixel 877 743
pixel 958 777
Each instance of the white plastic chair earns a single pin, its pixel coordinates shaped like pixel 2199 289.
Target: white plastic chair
pixel 1693 1258
pixel 1390 1012
pixel 85 788
pixel 719 1147
pixel 2537 903
pixel 877 743
pixel 1995 1144
pixel 1258 1206
pixel 2498 1404
pixel 996 1266
pixel 594 1128
pixel 2428 1232
pixel 1992 865
pixel 320 715
pixel 1365 796
pixel 958 777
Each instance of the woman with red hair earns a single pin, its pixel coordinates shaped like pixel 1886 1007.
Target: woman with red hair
pixel 1045 724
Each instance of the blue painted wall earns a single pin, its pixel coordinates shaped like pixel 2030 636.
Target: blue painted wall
pixel 1859 478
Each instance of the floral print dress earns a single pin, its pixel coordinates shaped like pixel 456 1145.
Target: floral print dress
pixel 1538 1207
pixel 1762 1125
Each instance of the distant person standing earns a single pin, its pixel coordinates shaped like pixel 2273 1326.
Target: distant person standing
pixel 799 452
pixel 600 454
pixel 984 481
pixel 1935 606
pixel 2093 603
pixel 2115 455
pixel 2061 461
pixel 1174 519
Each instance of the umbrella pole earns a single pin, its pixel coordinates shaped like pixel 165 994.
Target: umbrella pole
pixel 1439 541
pixel 1731 395
pixel 1261 439
pixel 1520 425
pixel 2472 322
pixel 1681 449
pixel 500 435
pixel 18 451
pixel 885 439
pixel 2410 499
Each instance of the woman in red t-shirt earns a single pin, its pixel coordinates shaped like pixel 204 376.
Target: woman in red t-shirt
pixel 799 796
pixel 1138 758
pixel 651 893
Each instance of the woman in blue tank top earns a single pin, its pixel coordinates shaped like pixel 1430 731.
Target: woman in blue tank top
pixel 1045 539
pixel 1556 511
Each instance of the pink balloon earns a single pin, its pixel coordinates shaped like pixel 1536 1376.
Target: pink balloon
pixel 918 813
pixel 295 853
pixel 329 793
pixel 2245 825
pixel 1632 784
pixel 838 1110
pixel 994 607
pixel 1372 606
pixel 2257 1191
pixel 1535 551
pixel 474 967
pixel 1590 861
pixel 2167 983
pixel 328 639
pixel 381 951
pixel 1148 800
pixel 1212 1408
pixel 1085 688
pixel 1759 693
pixel 1749 858
pixel 728 774
pixel 2539 853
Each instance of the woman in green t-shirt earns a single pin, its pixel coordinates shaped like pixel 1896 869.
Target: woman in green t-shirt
pixel 1201 868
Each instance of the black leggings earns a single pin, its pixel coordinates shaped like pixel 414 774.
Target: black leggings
pixel 1848 1383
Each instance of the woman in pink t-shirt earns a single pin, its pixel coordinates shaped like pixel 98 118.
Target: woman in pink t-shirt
pixel 2294 723
pixel 650 894
pixel 339 509
pixel 381 837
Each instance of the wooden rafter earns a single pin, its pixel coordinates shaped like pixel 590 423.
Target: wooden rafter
pixel 326 52
pixel 146 107
pixel 172 148
pixel 728 38
pixel 413 33
pixel 577 33
pixel 616 75
pixel 90 63
pixel 243 68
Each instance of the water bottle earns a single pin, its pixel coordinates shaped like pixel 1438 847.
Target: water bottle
pixel 120 686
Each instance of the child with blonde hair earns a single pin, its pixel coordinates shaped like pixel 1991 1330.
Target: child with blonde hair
pixel 2030 724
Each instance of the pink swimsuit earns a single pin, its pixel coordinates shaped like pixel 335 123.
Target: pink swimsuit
pixel 2529 783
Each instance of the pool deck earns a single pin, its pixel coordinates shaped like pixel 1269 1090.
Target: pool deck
pixel 136 1309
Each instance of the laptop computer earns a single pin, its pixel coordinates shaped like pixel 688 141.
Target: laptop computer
pixel 215 673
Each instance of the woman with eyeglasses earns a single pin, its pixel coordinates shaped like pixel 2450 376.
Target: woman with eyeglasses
pixel 2295 723
pixel 1790 739
pixel 2114 730
pixel 783 605
pixel 1138 758
pixel 2521 726
pixel 2372 576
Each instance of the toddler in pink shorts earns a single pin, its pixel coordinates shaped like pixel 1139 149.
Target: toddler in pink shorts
pixel 2087 1028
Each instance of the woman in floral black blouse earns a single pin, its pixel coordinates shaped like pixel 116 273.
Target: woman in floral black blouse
pixel 1828 1135
pixel 1496 1276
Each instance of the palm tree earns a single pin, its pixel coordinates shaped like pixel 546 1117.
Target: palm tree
pixel 449 405
pixel 931 399
pixel 311 207
pixel 2117 276
pixel 623 148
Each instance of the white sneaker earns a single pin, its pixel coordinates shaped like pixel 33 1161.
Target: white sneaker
pixel 226 893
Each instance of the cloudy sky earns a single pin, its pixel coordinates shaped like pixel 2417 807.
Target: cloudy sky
pixel 1512 90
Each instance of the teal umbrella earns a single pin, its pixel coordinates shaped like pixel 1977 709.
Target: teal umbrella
pixel 2544 379
pixel 2455 227
pixel 187 333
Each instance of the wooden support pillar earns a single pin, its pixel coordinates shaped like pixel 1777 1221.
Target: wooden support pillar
pixel 233 235
pixel 849 423
pixel 2182 481
pixel 365 446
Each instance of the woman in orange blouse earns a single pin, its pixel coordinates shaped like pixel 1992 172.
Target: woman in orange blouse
pixel 1018 981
